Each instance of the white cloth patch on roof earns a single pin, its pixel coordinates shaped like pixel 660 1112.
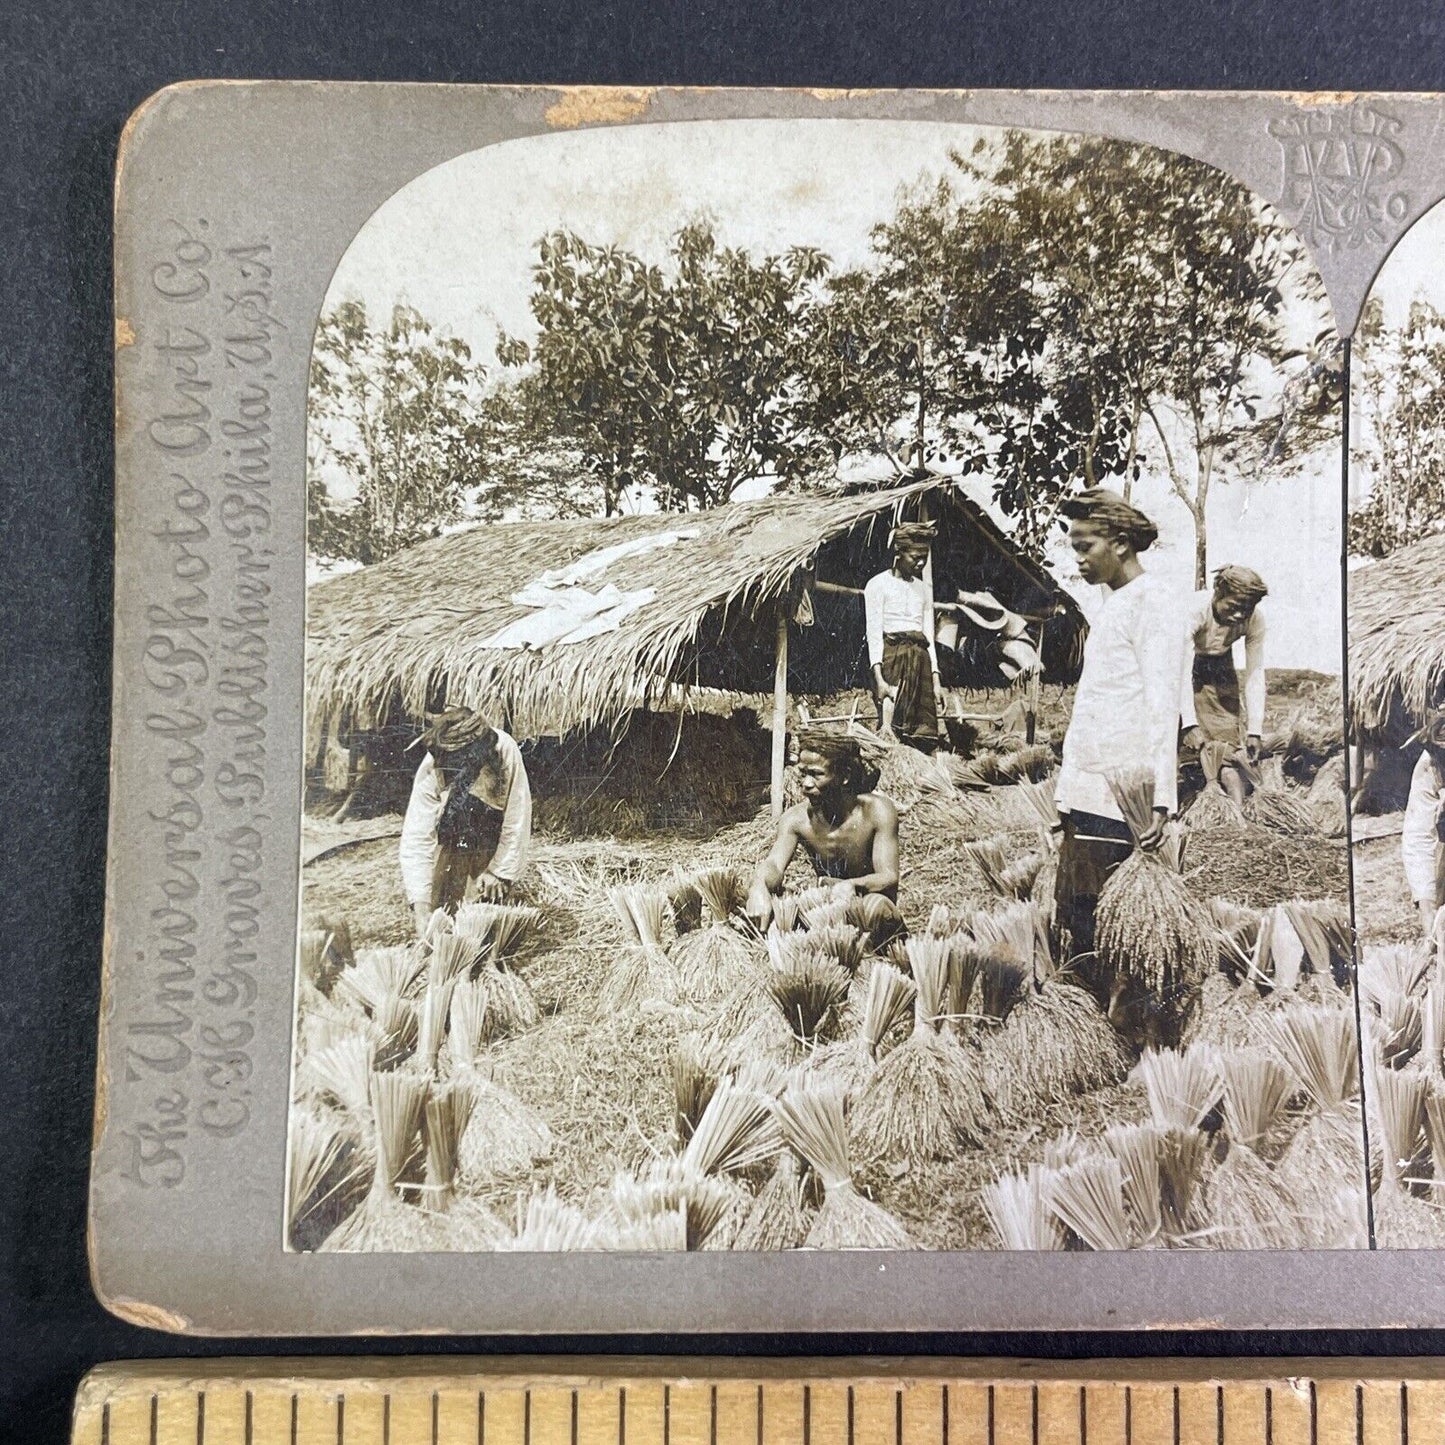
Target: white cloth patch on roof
pixel 565 612
pixel 591 565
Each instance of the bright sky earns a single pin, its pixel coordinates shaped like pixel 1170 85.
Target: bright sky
pixel 459 242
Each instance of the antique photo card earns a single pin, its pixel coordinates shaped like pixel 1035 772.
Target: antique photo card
pixel 718 690
pixel 1397 720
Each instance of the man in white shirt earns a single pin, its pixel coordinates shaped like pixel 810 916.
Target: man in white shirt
pixel 898 620
pixel 469 817
pixel 1126 710
pixel 1225 735
pixel 1422 836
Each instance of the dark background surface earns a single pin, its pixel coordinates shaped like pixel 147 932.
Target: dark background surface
pixel 72 74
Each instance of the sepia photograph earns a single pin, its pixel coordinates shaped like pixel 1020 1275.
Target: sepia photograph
pixel 1397 718
pixel 824 715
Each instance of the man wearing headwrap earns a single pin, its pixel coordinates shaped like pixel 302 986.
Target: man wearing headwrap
pixel 1126 710
pixel 1225 735
pixel 1422 837
pixel 848 832
pixel 898 618
pixel 469 817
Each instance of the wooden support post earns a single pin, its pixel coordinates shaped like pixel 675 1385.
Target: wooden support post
pixel 780 708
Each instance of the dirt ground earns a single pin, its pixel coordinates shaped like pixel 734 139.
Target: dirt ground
pixel 601 1079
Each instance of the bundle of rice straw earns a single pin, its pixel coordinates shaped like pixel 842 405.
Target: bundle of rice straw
pixel 812 1120
pixel 1434 1112
pixel 1182 1086
pixel 1055 1044
pixel 1319 1048
pixel 397 1023
pixel 1247 1204
pixel 779 1217
pixel 850 1063
pixel 548 1225
pixel 380 973
pixel 1028 762
pixel 925 1098
pixel 1398 1105
pixel 1238 928
pixel 641 969
pixel 1182 1154
pixel 1088 1198
pixel 826 915
pixel 787 916
pixel 343 1071
pixel 448 1111
pixel 697 1069
pixel 323 957
pixel 1017 1207
pixel 1010 876
pixel 504 1138
pixel 468 1025
pixel 501 927
pixel 432 1017
pixel 398 1101
pixel 940 921
pixel 818 905
pixel 454 955
pixel 667 1187
pixel 1323 926
pixel 711 961
pixel 1148 927
pixel 1213 808
pixel 737 1133
pixel 1326 1149
pixel 1432 1026
pixel 1257 1090
pixel 1017 931
pixel 317 1148
pixel 842 943
pixel 1039 796
pixel 684 902
pixel 1279 952
pixel 389 1225
pixel 1138 1148
pixel 1275 805
pixel 1390 980
pixel 808 989
pixel 879 919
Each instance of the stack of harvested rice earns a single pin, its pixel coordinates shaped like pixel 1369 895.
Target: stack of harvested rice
pixel 1155 941
pixel 319 1170
pixel 851 1063
pixel 781 1214
pixel 499 931
pixel 1393 996
pixel 1276 805
pixel 1018 1209
pixel 925 1097
pixel 712 961
pixel 1318 1047
pixel 641 969
pixel 808 990
pixel 670 1189
pixel 1007 872
pixel 1249 1206
pixel 812 1119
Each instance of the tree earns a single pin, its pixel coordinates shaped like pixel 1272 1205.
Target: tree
pixel 1402 386
pixel 681 382
pixel 1165 288
pixel 396 431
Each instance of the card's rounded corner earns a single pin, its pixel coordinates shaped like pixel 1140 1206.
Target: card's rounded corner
pixel 144 114
pixel 142 1313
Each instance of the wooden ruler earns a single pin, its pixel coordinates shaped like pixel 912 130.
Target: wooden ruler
pixel 621 1401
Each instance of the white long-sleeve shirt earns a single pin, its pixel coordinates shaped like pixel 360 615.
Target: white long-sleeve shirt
pixel 1126 708
pixel 502 786
pixel 1420 848
pixel 893 604
pixel 1208 636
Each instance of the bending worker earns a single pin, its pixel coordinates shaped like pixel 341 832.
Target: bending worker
pixel 1422 838
pixel 898 619
pixel 1225 736
pixel 469 818
pixel 848 832
pixel 1126 712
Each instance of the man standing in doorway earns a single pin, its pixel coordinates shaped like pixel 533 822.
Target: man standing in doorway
pixel 1126 711
pixel 1422 836
pixel 898 618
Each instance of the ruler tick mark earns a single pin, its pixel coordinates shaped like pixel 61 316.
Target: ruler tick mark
pixel 1404 1415
pixel 1359 1415
pixel 386 1418
pixel 711 1419
pixel 807 1415
pixel 760 1415
pixel 295 1411
pixel 105 1423
pixel 481 1417
pixel 1176 1414
pixel 945 1415
pixel 1034 1416
pixel 341 1420
pixel 436 1406
pixel 574 1417
pixel 1219 1414
pixel 1314 1415
pixel 990 1415
pixel 155 1418
pixel 201 1416
pixel 850 1417
pixel 527 1418
pixel 622 1415
pixel 897 1418
pixel 1269 1415
pixel 667 1416
pixel 1128 1416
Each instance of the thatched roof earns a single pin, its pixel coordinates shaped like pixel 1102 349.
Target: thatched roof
pixel 402 635
pixel 1397 640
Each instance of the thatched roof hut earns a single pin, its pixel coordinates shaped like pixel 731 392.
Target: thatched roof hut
pixel 410 631
pixel 1397 640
